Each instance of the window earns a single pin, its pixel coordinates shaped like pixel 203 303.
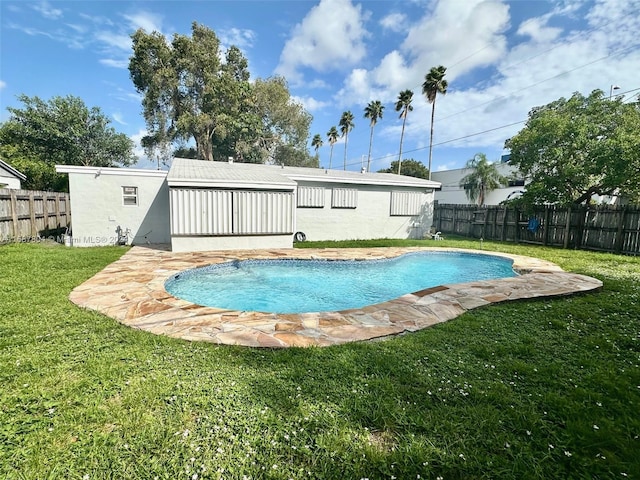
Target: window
pixel 130 195
pixel 518 182
pixel 344 198
pixel 406 203
pixel 311 197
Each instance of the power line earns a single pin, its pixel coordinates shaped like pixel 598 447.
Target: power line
pixel 393 155
pixel 539 82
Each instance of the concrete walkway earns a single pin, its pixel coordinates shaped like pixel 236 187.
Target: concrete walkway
pixel 131 290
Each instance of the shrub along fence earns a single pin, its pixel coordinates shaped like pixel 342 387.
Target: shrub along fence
pixel 29 214
pixel 605 228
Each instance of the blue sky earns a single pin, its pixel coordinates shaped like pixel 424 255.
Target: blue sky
pixel 503 58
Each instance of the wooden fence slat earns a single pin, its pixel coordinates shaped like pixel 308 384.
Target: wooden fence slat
pixel 22 216
pixel 603 228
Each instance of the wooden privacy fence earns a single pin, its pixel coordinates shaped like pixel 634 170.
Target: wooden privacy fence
pixel 606 228
pixel 27 215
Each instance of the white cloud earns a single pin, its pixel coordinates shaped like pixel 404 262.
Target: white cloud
pixel 114 63
pixel 118 118
pixel 2 84
pixel 537 29
pixel 148 21
pixel 47 11
pixel 394 22
pixel 240 37
pixel 330 37
pixel 116 40
pixel 547 62
pixel 310 104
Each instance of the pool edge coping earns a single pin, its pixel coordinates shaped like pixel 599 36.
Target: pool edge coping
pixel 131 290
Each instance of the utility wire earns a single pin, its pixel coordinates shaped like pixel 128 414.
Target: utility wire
pixel 393 155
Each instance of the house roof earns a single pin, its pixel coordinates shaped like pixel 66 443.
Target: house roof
pixel 97 171
pixel 202 173
pixel 185 172
pixel 15 173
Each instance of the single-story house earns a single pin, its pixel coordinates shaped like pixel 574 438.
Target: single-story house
pixel 452 192
pixel 10 177
pixel 203 205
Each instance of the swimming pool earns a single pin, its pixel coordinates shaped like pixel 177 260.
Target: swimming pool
pixel 298 286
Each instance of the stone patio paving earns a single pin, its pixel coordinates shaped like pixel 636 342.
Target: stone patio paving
pixel 131 290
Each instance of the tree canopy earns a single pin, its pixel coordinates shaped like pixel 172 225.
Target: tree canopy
pixel 410 168
pixel 573 149
pixel 63 131
pixel 483 178
pixel 193 92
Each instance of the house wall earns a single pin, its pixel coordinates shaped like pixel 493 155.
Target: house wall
pixel 370 219
pixel 8 181
pixel 235 242
pixel 97 207
pixel 451 192
pixel 223 219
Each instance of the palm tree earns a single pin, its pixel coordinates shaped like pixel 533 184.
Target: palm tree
pixel 403 105
pixel 332 136
pixel 373 112
pixel 346 125
pixel 483 179
pixel 316 143
pixel 434 83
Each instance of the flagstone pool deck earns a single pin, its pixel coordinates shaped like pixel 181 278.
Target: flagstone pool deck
pixel 131 290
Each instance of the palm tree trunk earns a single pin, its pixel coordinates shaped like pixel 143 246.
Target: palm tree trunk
pixel 370 143
pixel 330 156
pixel 433 113
pixel 346 140
pixel 404 119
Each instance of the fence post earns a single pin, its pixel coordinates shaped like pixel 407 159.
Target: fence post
pixel 57 210
pixel 32 211
pixel 545 228
pixel 14 215
pixel 620 231
pixel 503 235
pixel 567 228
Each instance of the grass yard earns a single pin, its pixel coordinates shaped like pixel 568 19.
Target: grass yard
pixel 546 389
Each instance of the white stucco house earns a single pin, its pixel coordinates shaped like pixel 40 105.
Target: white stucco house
pixel 451 191
pixel 10 177
pixel 202 205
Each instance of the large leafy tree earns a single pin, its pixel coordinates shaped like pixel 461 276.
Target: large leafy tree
pixel 281 123
pixel 188 92
pixel 483 178
pixel 373 111
pixel 434 83
pixel 410 168
pixel 403 105
pixel 62 130
pixel 332 136
pixel 193 92
pixel 346 125
pixel 574 149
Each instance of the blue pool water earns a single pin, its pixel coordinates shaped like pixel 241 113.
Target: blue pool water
pixel 297 286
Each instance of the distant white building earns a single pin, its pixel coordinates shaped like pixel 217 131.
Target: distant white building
pixel 10 177
pixel 203 205
pixel 452 192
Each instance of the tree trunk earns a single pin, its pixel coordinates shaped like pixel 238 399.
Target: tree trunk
pixel 404 120
pixel 330 156
pixel 370 143
pixel 433 114
pixel 346 140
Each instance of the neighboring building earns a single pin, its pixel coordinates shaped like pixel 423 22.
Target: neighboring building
pixel 202 205
pixel 452 192
pixel 10 177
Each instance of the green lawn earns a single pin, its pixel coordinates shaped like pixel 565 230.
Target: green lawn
pixel 541 389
